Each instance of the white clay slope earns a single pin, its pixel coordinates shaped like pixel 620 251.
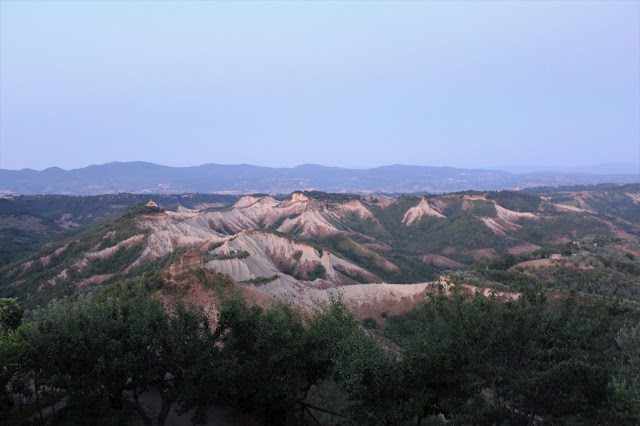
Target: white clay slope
pixel 172 230
pixel 568 208
pixel 246 201
pixel 266 250
pixel 505 220
pixel 353 206
pixel 512 216
pixel 634 197
pixel 309 223
pixel 499 228
pixel 308 218
pixel 422 209
pixel 381 295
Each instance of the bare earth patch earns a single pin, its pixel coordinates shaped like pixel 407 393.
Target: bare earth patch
pixel 619 233
pixel 629 249
pixel 96 279
pixel 435 259
pixel 523 248
pixel 377 246
pixel 562 240
pixel 533 263
pixel 482 253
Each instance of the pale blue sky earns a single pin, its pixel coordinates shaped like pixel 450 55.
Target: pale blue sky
pixel 341 84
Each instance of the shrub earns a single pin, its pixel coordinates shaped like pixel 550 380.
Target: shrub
pixel 369 323
pixel 318 272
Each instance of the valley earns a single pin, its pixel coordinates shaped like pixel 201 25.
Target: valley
pixel 292 246
pixel 353 300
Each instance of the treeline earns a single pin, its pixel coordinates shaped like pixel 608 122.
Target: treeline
pixel 457 358
pixel 333 197
pixel 86 208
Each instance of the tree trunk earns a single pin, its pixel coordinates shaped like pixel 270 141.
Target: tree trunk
pixel 20 394
pixel 115 399
pixel 290 415
pixel 164 409
pixel 145 418
pixel 35 385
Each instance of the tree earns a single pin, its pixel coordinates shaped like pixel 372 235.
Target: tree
pixel 263 353
pixel 533 359
pixel 272 357
pixel 372 380
pixel 626 383
pixel 437 363
pixel 11 312
pixel 92 349
pixel 184 363
pixel 7 371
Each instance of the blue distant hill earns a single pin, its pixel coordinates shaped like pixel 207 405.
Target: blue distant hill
pixel 140 177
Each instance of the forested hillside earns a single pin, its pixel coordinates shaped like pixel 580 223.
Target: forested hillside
pixel 27 221
pixel 617 200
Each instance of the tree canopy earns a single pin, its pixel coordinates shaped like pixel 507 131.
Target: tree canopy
pixel 457 357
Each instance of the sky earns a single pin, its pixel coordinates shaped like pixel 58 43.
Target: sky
pixel 350 84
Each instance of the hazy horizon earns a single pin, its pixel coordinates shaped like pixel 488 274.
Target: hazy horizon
pixel 602 168
pixel 492 85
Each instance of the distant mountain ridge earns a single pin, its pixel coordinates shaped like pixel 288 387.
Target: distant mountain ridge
pixel 142 177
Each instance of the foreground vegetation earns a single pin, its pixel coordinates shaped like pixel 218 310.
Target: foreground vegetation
pixel 460 358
